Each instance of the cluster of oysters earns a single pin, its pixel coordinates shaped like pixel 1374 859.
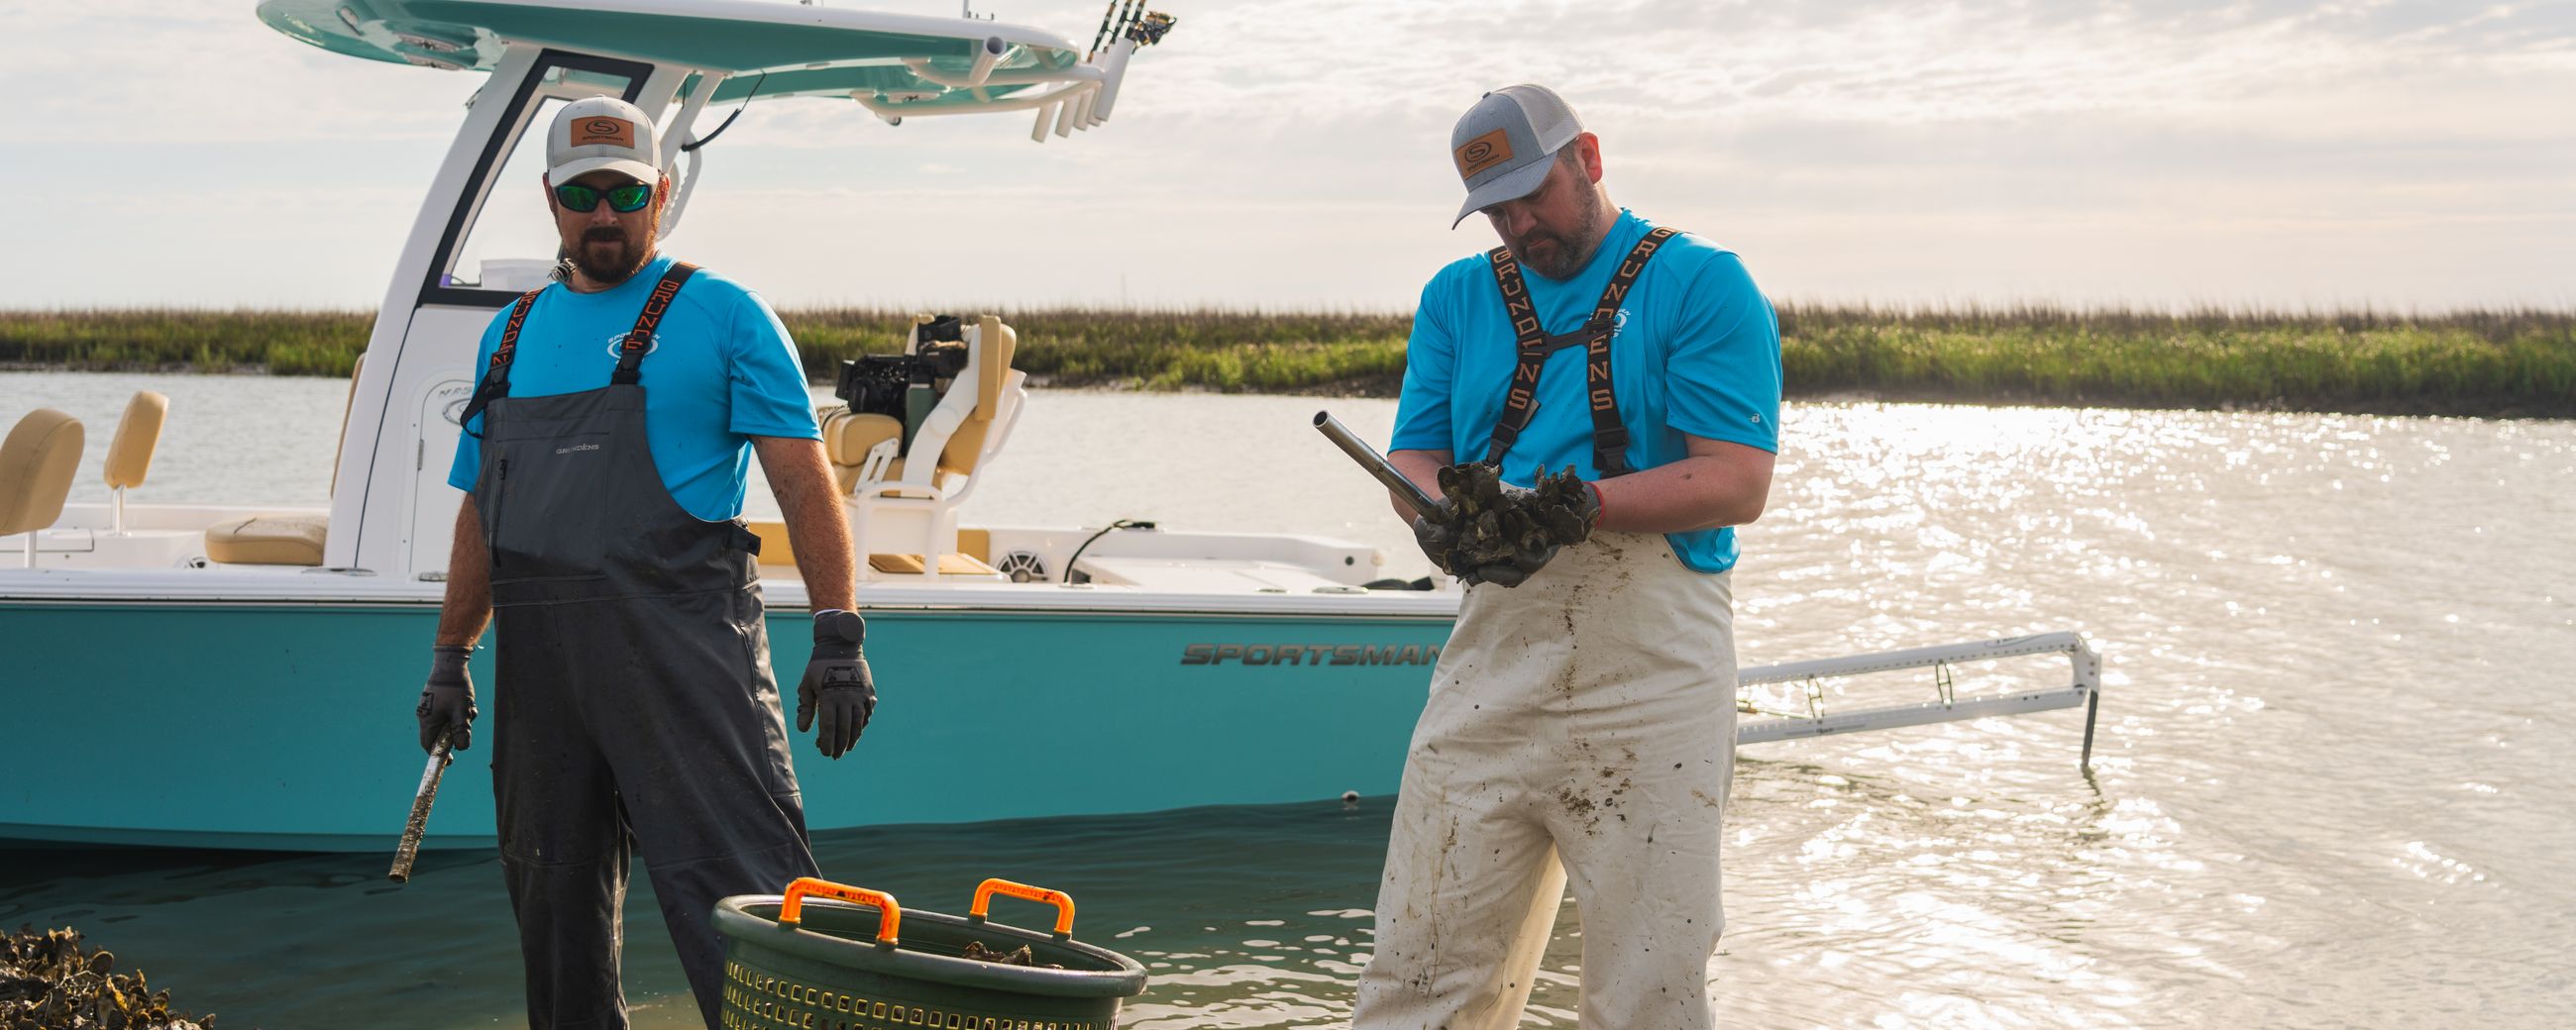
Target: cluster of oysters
pixel 49 982
pixel 1501 527
pixel 1023 957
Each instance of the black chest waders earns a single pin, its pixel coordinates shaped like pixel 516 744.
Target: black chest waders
pixel 635 706
pixel 1609 434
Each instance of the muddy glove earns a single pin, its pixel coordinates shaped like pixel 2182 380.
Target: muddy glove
pixel 447 703
pixel 836 683
pixel 1563 510
pixel 1564 505
pixel 1502 574
pixel 1437 533
pixel 1511 573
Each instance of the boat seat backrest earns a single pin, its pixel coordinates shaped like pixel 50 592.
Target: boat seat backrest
pixel 37 462
pixel 995 345
pixel 138 434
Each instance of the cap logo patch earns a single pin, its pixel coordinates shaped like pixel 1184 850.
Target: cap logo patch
pixel 612 131
pixel 1483 152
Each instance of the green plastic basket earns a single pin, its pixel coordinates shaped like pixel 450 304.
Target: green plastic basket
pixel 855 960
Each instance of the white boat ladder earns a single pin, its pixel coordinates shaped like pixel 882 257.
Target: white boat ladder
pixel 2084 688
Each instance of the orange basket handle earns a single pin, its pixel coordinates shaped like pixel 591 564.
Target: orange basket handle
pixel 1062 901
pixel 791 908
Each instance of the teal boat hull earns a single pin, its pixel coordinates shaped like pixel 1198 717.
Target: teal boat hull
pixel 289 726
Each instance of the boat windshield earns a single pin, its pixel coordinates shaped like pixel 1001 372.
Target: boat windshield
pixel 501 239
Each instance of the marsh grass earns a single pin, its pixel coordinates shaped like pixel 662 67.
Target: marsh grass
pixel 314 343
pixel 2485 362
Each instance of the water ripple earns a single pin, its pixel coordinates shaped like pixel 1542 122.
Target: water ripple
pixel 2329 785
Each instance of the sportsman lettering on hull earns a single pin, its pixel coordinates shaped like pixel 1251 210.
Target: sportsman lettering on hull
pixel 1311 654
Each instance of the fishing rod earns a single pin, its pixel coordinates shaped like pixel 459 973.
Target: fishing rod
pixel 1107 15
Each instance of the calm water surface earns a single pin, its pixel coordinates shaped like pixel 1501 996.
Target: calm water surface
pixel 2331 788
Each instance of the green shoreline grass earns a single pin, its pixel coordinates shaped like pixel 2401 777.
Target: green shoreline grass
pixel 2511 363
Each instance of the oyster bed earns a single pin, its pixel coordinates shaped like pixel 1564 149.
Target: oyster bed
pixel 48 981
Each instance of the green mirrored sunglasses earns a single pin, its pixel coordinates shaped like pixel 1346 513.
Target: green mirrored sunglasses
pixel 631 197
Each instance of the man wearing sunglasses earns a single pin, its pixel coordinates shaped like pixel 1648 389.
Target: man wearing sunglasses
pixel 606 451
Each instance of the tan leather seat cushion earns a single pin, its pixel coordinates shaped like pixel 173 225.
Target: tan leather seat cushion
pixel 268 540
pixel 847 437
pixel 36 466
pixel 129 452
pixel 974 545
pixel 910 565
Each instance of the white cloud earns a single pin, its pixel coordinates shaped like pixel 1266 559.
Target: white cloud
pixel 2404 154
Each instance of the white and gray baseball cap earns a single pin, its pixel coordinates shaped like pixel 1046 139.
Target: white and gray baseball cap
pixel 596 133
pixel 1505 143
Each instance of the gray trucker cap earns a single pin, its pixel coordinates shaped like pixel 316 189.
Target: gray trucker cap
pixel 596 133
pixel 1504 144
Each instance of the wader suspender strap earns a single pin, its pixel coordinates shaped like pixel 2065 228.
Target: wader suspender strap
pixel 496 377
pixel 1609 435
pixel 630 354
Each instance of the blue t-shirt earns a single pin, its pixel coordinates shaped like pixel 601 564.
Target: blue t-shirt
pixel 721 371
pixel 1697 351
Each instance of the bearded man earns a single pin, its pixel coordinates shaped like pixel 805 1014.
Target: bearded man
pixel 1580 727
pixel 605 452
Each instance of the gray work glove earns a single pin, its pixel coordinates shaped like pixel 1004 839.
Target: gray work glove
pixel 1570 522
pixel 1574 522
pixel 1437 533
pixel 836 683
pixel 447 703
pixel 1510 573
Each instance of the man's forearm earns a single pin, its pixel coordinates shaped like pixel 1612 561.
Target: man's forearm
pixel 1423 468
pixel 817 528
pixel 468 607
pixel 1698 492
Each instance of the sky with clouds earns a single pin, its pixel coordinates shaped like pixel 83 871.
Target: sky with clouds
pixel 1293 154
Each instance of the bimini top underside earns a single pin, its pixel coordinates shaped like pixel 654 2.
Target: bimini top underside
pixel 910 62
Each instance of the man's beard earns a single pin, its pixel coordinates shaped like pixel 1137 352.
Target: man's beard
pixel 607 255
pixel 1569 251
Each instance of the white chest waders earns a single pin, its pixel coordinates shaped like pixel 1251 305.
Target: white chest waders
pixel 1580 731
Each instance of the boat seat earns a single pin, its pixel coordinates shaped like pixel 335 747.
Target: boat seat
pixel 292 539
pixel 950 564
pixel 974 549
pixel 268 540
pixel 129 452
pixel 37 462
pixel 959 427
pixel 848 436
pixel 898 494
